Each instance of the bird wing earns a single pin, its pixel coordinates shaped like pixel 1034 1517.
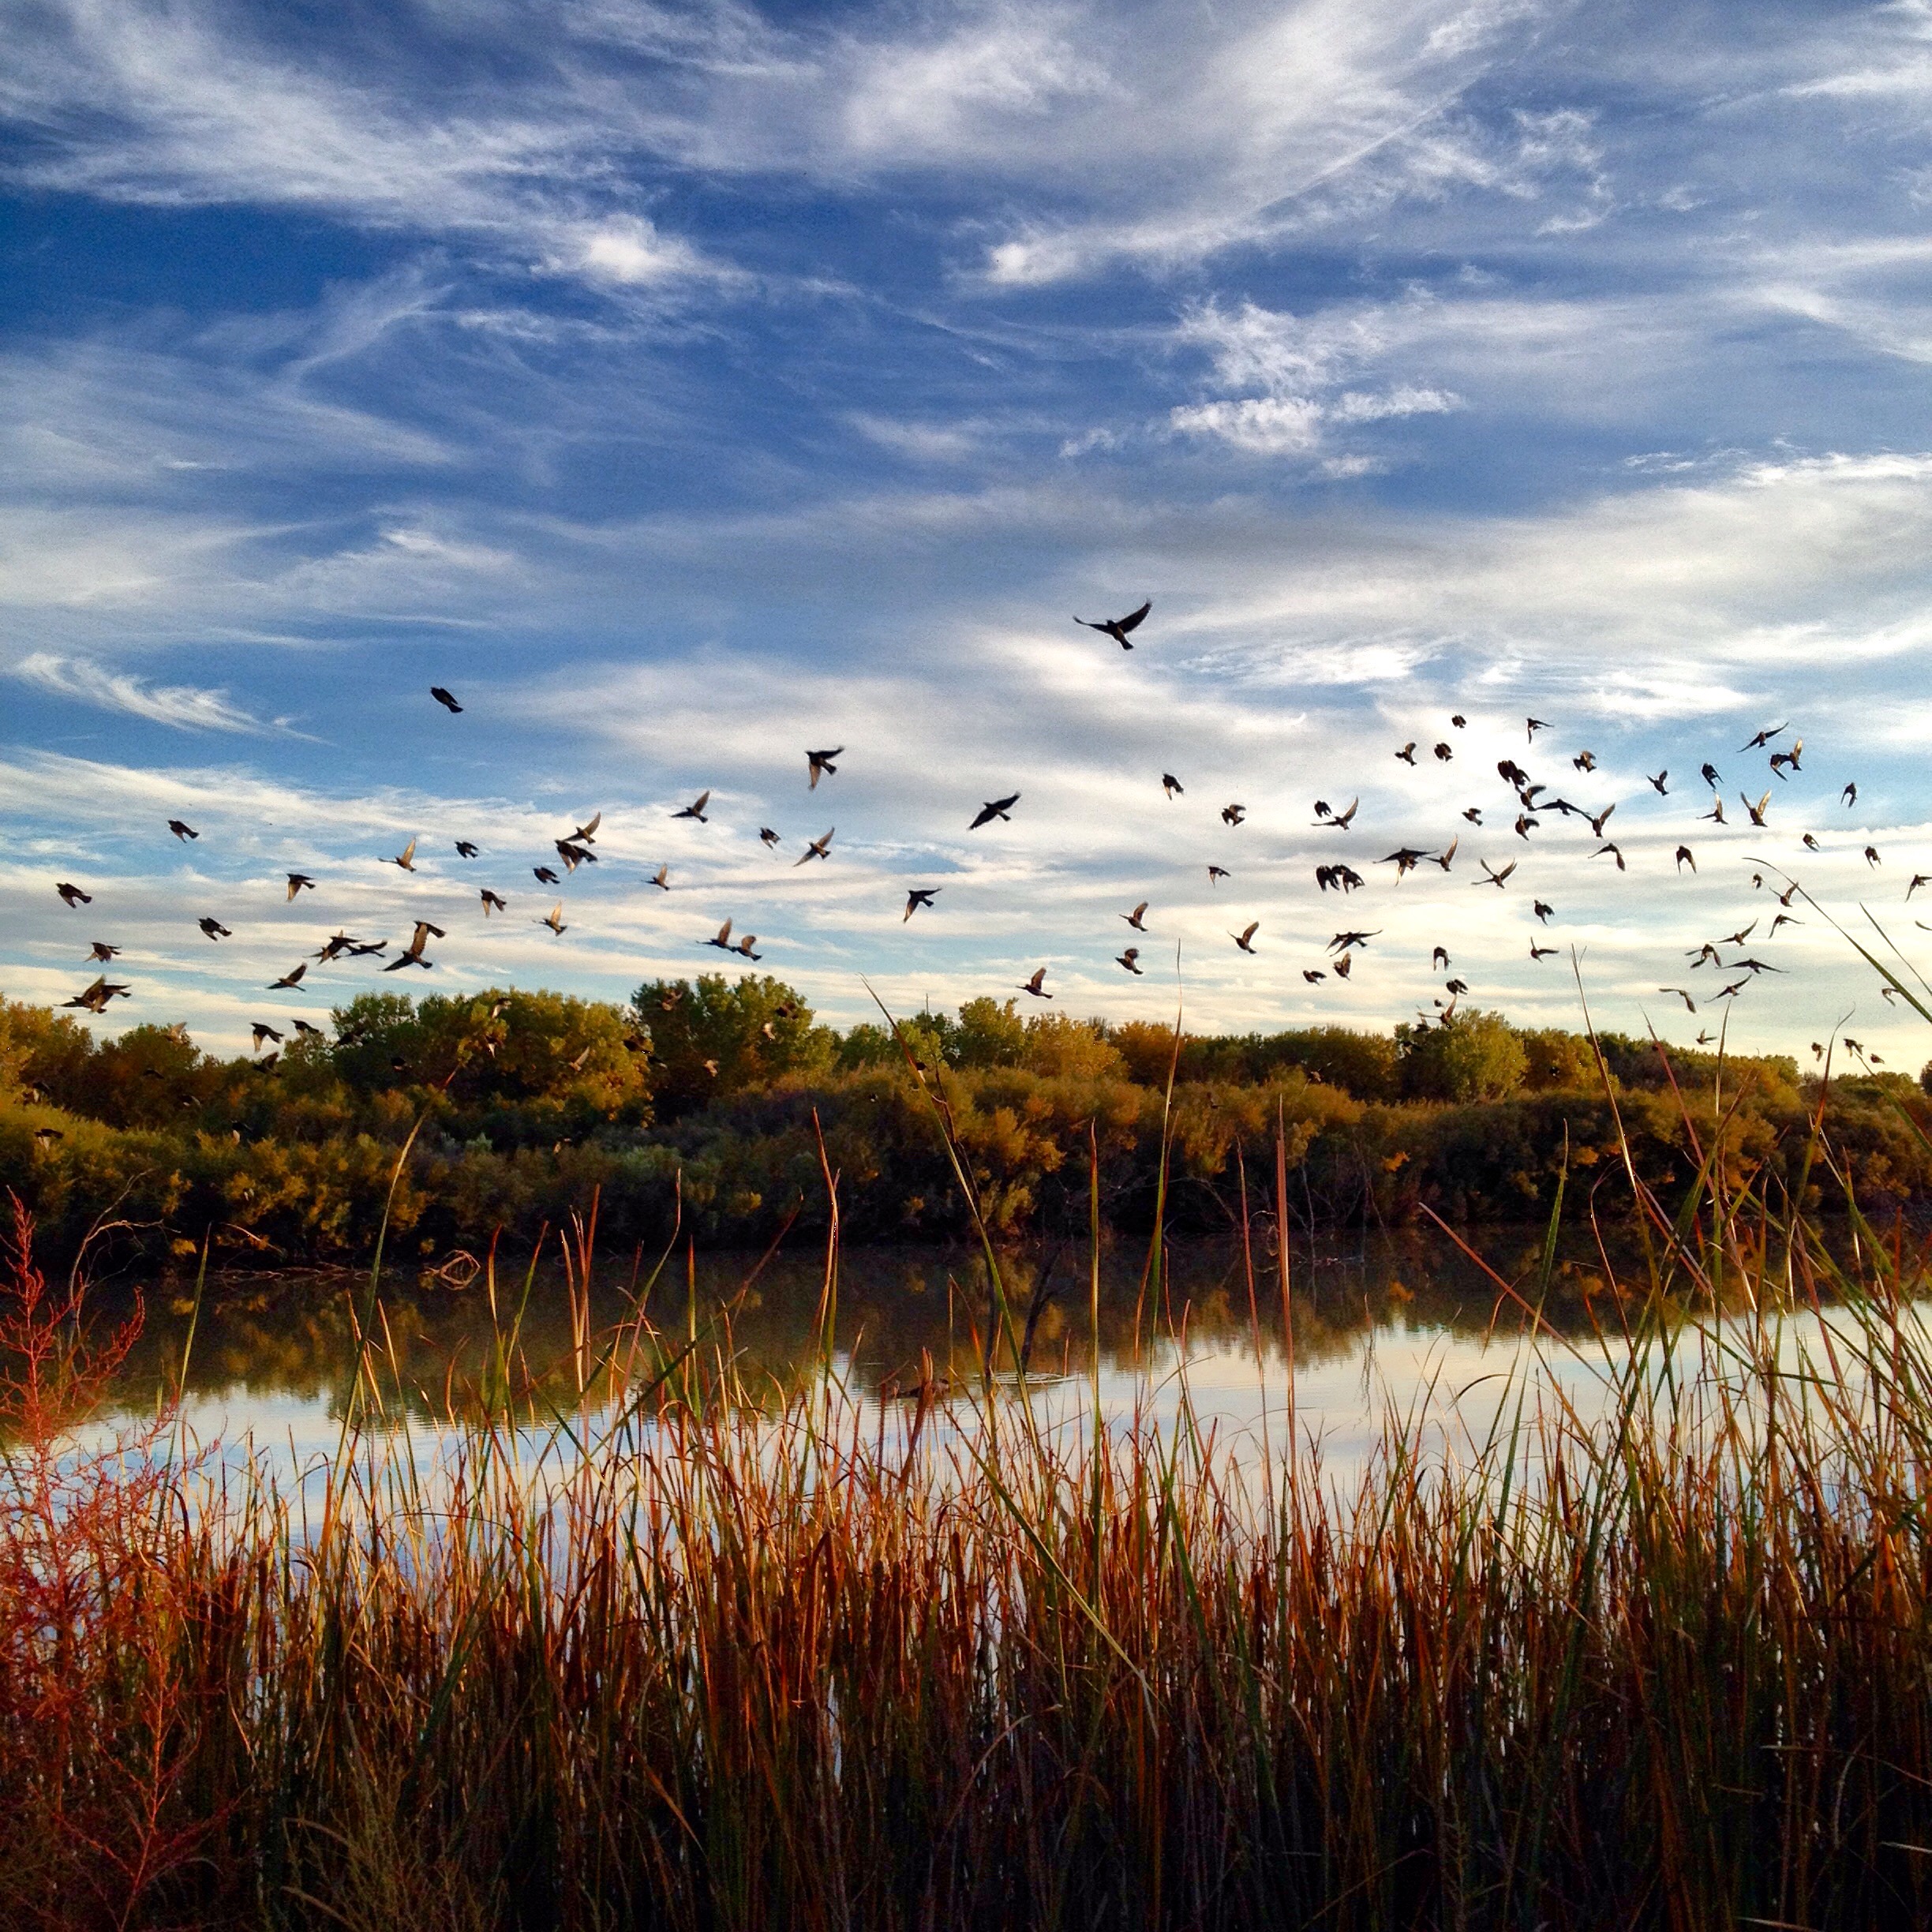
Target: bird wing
pixel 1133 619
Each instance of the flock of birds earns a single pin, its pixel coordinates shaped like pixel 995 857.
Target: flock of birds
pixel 1535 806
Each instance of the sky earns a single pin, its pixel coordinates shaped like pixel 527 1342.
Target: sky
pixel 686 386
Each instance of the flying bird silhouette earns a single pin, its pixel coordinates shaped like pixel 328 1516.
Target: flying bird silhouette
pixel 412 955
pixel 299 881
pixel 554 919
pixel 1136 917
pixel 818 765
pixel 721 939
pixel 262 1031
pixel 1172 785
pixel 465 849
pixel 1542 953
pixel 1615 852
pixel 1444 752
pixel 1763 738
pixel 1035 986
pixel 492 903
pixel 768 835
pixel 74 895
pixel 1494 878
pixel 1585 760
pixel 1689 1004
pixel 215 929
pixel 1232 814
pixel 1130 959
pixel 1657 783
pixel 290 978
pixel 1459 720
pixel 1711 777
pixel 1216 873
pixel 1347 941
pixel 1245 939
pixel 548 877
pixel 1118 628
pixel 1407 753
pixel 695 809
pixel 1438 960
pixel 95 998
pixel 443 698
pixel 995 808
pixel 1685 858
pixel 1536 725
pixel 406 857
pixel 1542 911
pixel 182 831
pixel 1849 796
pixel 919 895
pixel 818 849
pixel 661 878
pixel 101 950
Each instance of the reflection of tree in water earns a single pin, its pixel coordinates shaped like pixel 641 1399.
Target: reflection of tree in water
pixel 294 1336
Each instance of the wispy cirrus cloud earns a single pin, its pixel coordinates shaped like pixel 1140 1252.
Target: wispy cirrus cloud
pixel 185 707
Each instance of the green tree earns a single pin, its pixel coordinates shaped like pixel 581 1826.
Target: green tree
pixel 711 1039
pixel 989 1034
pixel 1476 1056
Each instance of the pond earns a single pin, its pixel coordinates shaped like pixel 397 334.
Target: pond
pixel 1407 1322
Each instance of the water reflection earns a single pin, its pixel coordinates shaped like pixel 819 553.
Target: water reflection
pixel 1379 1320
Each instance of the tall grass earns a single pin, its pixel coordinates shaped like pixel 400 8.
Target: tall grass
pixel 669 1649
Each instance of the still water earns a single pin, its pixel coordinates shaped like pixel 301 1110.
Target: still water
pixel 1404 1324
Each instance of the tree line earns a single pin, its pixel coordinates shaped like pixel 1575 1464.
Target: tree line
pixel 713 1107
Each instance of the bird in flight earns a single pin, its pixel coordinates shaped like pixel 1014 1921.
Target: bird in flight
pixel 1245 939
pixel 1711 777
pixel 661 878
pixel 1459 720
pixel 919 895
pixel 1715 813
pixel 995 808
pixel 1585 760
pixel 695 809
pixel 1784 761
pixel 1763 738
pixel 1543 911
pixel 1172 785
pixel 1603 819
pixel 1919 879
pixel 554 919
pixel 1685 858
pixel 548 877
pixel 1343 878
pixel 298 882
pixel 573 855
pixel 1405 859
pixel 1783 918
pixel 818 765
pixel 1438 960
pixel 1492 877
pixel 1743 933
pixel 1871 856
pixel 492 903
pixel 768 835
pixel 1811 844
pixel 1136 917
pixel 215 929
pixel 1849 796
pixel 1036 986
pixel 443 698
pixel 406 857
pixel 182 830
pixel 1313 975
pixel 465 849
pixel 1446 858
pixel 1215 873
pixel 101 950
pixel 1444 752
pixel 586 834
pixel 721 939
pixel 1689 1004
pixel 1757 811
pixel 1344 966
pixel 1474 815
pixel 74 895
pixel 413 954
pixel 1536 725
pixel 1407 753
pixel 818 849
pixel 1657 783
pixel 94 999
pixel 1130 959
pixel 1232 814
pixel 1542 953
pixel 290 978
pixel 262 1031
pixel 1616 852
pixel 1525 825
pixel 1455 987
pixel 1347 941
pixel 1339 822
pixel 1116 628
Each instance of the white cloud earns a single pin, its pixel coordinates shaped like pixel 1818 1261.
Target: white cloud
pixel 183 706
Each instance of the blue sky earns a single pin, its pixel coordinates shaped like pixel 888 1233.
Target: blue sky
pixel 685 385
